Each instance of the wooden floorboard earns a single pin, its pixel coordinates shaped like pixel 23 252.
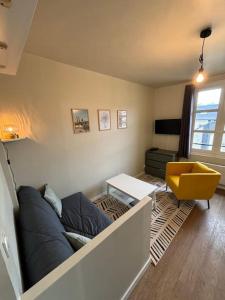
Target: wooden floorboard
pixel 193 268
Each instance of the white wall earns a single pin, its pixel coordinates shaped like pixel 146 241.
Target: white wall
pixel 40 98
pixel 167 104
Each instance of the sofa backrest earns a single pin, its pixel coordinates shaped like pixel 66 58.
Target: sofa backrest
pixel 43 244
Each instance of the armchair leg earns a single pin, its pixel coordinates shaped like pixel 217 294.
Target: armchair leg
pixel 166 187
pixel 208 204
pixel 178 203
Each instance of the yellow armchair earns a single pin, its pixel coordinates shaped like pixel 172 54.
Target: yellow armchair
pixel 191 180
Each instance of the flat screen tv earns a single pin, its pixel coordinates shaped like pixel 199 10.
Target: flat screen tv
pixel 168 126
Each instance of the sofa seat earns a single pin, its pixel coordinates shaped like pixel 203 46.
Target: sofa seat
pixel 81 216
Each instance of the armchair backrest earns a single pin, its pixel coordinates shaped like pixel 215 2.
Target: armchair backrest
pixel 201 168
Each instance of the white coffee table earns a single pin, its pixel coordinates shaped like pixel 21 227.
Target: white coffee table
pixel 132 187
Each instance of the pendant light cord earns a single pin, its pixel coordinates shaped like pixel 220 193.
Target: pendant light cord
pixel 201 58
pixel 9 164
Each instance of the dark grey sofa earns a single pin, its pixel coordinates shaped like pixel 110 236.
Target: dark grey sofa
pixel 43 245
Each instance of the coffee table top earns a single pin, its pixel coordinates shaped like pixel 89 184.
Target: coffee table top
pixel 131 186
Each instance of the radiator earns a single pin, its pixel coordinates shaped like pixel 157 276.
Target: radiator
pixel 220 169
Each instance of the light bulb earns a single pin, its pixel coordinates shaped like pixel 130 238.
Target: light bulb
pixel 200 77
pixel 9 129
pixel 10 132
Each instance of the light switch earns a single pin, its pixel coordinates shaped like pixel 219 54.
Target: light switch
pixel 5 244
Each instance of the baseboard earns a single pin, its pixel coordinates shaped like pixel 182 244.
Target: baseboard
pixel 221 187
pixel 98 196
pixel 139 174
pixel 220 191
pixel 104 193
pixel 136 280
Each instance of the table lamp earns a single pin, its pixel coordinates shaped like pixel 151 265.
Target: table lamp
pixel 10 132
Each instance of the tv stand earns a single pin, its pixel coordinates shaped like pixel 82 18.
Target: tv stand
pixel 156 160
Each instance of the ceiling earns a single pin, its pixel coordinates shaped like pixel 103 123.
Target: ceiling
pixel 153 42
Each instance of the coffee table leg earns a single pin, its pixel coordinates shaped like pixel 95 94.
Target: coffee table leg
pixel 107 190
pixel 154 200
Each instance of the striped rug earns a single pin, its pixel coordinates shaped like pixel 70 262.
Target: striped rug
pixel 166 220
pixel 111 206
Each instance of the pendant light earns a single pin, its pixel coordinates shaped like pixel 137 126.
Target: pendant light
pixel 200 76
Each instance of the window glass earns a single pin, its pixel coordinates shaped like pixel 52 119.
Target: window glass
pixel 208 99
pixel 205 120
pixel 203 140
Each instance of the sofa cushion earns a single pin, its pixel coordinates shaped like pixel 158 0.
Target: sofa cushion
pixel 81 216
pixel 76 240
pixel 44 245
pixel 53 200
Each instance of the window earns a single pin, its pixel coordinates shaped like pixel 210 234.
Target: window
pixel 208 130
pixel 223 142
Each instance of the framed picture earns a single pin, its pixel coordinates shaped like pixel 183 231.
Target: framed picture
pixel 80 120
pixel 122 119
pixel 104 119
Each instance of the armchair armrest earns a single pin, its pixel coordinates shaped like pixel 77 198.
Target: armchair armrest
pixel 198 185
pixel 178 168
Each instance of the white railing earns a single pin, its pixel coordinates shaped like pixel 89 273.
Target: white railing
pixel 108 267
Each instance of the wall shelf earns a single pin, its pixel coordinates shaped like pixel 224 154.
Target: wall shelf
pixel 12 140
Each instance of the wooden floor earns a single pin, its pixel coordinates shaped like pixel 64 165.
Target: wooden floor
pixel 193 268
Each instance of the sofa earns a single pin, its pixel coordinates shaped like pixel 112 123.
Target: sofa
pixel 43 245
pixel 191 180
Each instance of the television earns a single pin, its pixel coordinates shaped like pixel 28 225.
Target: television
pixel 168 126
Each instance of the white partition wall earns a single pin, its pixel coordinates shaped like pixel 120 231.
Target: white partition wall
pixel 6 287
pixel 106 268
pixel 9 262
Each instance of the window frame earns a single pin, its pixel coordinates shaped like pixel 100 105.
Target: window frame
pixel 219 126
pixel 223 152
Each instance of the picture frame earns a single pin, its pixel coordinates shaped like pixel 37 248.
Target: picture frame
pixel 104 119
pixel 80 119
pixel 122 119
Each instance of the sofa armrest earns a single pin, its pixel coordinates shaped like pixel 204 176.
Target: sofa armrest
pixel 177 168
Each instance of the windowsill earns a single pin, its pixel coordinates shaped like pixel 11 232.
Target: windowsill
pixel 210 156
